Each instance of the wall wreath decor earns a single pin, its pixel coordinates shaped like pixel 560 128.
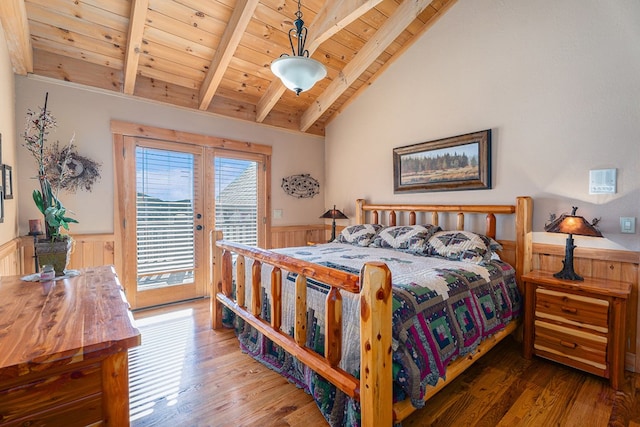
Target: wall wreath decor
pixel 69 170
pixel 301 186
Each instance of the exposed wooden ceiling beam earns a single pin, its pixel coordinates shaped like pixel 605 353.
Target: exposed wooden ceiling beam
pixel 334 16
pixel 386 34
pixel 432 20
pixel 134 44
pixel 13 16
pixel 240 18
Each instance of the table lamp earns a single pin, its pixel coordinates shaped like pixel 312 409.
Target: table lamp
pixel 334 214
pixel 571 224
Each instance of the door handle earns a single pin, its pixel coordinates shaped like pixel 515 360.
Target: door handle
pixel 198 227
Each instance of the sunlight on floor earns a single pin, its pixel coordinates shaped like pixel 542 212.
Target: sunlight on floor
pixel 155 370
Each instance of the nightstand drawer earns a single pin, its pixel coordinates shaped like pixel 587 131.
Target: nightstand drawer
pixel 578 310
pixel 586 347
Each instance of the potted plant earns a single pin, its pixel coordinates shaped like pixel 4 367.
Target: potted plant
pixel 54 249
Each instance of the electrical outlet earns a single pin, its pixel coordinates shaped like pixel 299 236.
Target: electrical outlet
pixel 627 224
pixel 277 214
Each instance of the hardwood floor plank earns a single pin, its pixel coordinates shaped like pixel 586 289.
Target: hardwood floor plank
pixel 185 374
pixel 550 407
pixel 585 410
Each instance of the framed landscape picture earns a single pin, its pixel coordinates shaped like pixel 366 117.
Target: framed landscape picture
pixel 460 162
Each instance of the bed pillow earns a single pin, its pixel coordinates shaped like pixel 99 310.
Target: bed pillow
pixel 462 246
pixel 359 235
pixel 410 238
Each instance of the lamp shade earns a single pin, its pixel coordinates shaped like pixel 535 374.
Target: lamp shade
pixel 334 214
pixel 572 224
pixel 298 73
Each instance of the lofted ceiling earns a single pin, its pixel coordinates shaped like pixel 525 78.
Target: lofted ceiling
pixel 214 55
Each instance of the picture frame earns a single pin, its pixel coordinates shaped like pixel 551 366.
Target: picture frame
pixel 1 204
pixel 461 162
pixel 7 181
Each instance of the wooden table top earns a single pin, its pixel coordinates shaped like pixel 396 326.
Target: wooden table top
pixel 46 324
pixel 613 288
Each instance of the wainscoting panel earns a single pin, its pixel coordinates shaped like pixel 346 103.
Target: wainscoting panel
pixel 92 250
pixel 11 257
pixel 17 257
pixel 298 235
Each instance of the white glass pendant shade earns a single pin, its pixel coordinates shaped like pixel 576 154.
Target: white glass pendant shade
pixel 298 73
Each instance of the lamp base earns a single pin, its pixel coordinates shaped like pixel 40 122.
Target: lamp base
pixel 567 272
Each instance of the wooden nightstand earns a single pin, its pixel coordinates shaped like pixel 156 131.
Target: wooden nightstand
pixel 579 324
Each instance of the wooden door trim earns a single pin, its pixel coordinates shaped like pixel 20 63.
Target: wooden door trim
pixel 151 132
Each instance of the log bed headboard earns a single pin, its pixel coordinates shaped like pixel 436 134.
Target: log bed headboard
pixel 523 209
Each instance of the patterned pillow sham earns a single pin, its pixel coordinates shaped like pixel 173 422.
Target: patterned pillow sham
pixel 359 235
pixel 462 246
pixel 409 238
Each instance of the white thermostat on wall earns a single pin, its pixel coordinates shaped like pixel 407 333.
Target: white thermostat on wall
pixel 602 181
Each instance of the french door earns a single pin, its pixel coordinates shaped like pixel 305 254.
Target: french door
pixel 170 197
pixel 165 222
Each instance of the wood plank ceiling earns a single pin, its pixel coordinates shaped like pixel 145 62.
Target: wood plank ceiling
pixel 214 55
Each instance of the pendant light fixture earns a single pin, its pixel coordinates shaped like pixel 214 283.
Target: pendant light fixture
pixel 297 71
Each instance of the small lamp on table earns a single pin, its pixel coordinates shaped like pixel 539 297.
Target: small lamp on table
pixel 571 224
pixel 334 214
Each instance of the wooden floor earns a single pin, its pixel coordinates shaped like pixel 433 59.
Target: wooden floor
pixel 186 374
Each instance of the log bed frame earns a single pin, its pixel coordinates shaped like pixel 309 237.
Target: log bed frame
pixel 374 388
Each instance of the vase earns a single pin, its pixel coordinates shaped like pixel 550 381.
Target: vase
pixel 54 253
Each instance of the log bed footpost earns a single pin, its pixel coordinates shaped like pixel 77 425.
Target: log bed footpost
pixel 376 382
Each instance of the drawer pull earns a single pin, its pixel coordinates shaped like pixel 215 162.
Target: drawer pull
pixel 569 309
pixel 568 344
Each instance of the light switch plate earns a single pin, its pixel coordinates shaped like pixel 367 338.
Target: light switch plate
pixel 627 224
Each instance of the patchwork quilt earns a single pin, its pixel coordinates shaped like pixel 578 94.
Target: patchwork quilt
pixel 442 309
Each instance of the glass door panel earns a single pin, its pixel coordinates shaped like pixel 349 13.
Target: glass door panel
pixel 236 198
pixel 168 223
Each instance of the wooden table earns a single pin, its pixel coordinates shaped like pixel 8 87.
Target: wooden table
pixel 63 350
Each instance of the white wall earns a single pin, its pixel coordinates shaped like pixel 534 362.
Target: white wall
pixel 9 227
pixel 557 82
pixel 88 114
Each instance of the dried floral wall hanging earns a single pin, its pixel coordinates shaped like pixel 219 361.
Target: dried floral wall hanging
pixel 301 186
pixel 81 172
